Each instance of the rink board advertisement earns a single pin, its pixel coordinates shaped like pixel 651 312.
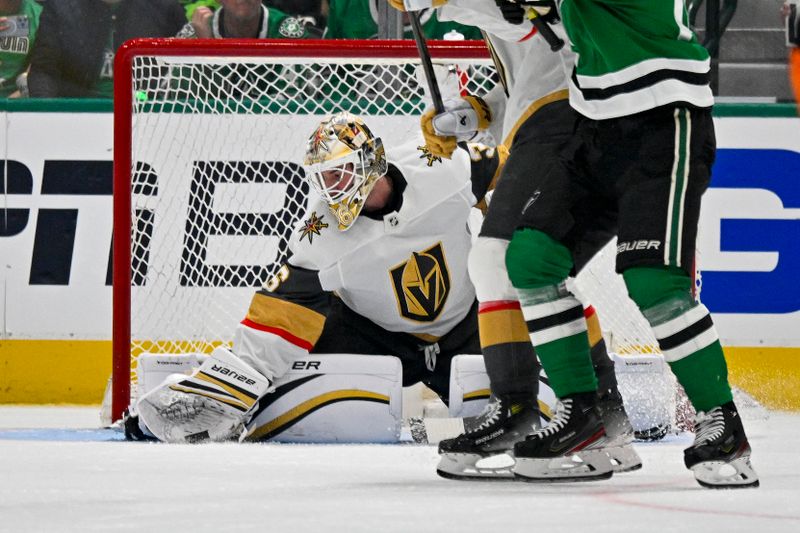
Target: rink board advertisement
pixel 56 225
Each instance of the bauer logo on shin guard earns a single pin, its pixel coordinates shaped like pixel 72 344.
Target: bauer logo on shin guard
pixel 638 245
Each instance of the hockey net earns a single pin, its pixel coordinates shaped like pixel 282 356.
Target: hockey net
pixel 209 136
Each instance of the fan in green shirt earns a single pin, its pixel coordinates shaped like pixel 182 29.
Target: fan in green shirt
pixel 214 19
pixel 358 19
pixel 19 20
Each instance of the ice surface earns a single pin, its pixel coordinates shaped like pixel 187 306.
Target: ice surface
pixel 59 472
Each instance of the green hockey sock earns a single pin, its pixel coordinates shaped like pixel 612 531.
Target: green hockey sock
pixel 685 332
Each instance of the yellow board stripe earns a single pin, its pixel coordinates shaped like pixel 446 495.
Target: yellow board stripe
pixel 310 405
pixel 502 326
pixel 297 320
pixel 174 346
pixel 770 375
pixel 243 397
pixel 76 372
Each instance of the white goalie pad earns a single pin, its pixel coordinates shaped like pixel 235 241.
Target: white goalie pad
pixel 648 388
pixel 333 398
pixel 153 368
pixel 469 388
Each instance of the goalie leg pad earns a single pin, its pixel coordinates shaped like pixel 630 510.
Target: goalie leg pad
pixel 211 404
pixel 330 398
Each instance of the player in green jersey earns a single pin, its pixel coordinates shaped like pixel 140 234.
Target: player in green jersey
pixel 638 163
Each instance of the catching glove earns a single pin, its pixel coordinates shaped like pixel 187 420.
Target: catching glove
pixel 415 5
pixel 462 119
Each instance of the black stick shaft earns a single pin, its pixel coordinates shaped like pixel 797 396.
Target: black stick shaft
pixel 556 43
pixel 427 64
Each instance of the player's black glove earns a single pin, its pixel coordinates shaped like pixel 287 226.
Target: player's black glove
pixel 512 12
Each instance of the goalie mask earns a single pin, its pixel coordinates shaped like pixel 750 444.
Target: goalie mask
pixel 343 161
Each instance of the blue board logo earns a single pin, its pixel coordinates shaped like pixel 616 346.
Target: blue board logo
pixel 777 291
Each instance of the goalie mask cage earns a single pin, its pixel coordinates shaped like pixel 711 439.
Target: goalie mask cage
pixel 208 141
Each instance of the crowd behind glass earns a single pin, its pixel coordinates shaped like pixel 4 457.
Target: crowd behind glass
pixel 65 48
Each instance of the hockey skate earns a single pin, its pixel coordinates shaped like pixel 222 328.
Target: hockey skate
pixel 720 454
pixel 619 433
pixel 572 447
pixel 490 434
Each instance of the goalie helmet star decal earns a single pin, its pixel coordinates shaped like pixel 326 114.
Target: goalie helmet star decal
pixel 312 226
pixel 422 284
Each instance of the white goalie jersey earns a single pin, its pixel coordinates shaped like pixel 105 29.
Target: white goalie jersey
pixel 531 74
pixel 404 268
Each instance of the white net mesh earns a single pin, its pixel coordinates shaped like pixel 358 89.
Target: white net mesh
pixel 624 328
pixel 217 183
pixel 216 146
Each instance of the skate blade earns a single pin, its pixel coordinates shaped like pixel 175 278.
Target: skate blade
pixel 592 465
pixel 473 467
pixel 736 474
pixel 624 459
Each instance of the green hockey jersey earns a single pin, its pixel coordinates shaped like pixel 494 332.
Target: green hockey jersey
pixel 634 56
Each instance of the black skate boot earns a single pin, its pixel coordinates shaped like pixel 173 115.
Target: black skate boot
pixel 720 441
pixel 503 422
pixel 570 448
pixel 619 433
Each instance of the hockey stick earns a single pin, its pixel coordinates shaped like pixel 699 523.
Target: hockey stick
pixel 427 64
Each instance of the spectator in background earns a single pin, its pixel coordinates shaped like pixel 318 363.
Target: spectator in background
pixel 792 19
pixel 19 20
pixel 191 5
pixel 242 19
pixel 358 19
pixel 74 51
pixel 316 9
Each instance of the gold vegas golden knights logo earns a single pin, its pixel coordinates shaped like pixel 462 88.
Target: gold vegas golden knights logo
pixel 422 284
